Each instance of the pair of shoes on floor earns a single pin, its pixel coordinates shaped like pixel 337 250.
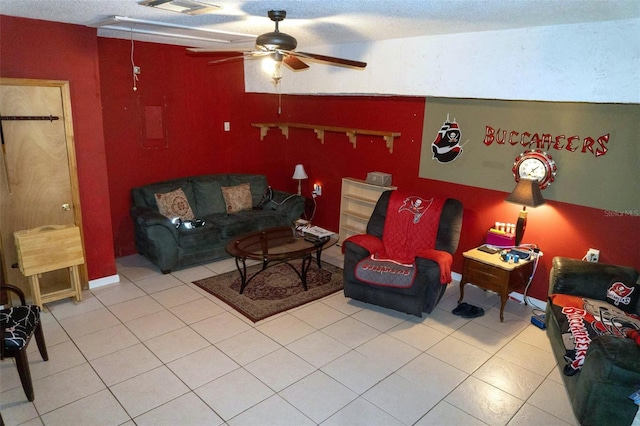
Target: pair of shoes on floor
pixel 466 310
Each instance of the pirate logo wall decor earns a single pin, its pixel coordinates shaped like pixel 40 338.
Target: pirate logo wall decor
pixel 446 146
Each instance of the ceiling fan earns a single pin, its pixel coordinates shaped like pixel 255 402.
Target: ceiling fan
pixel 281 48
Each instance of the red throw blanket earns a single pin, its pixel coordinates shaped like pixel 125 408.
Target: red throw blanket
pixel 410 231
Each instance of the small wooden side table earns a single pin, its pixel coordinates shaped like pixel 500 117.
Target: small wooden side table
pixel 48 248
pixel 490 272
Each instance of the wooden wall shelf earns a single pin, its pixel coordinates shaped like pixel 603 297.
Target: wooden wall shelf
pixel 319 130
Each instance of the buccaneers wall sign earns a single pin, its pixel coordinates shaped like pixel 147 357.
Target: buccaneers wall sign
pixel 594 145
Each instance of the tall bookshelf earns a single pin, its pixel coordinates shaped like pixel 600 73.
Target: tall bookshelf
pixel 357 202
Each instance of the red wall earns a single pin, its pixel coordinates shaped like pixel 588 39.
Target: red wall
pixel 47 50
pixel 203 97
pixel 559 229
pixel 199 99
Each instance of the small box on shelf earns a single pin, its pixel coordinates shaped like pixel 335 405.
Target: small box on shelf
pixel 379 178
pixel 500 238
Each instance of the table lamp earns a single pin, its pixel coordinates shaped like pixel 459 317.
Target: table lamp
pixel 527 193
pixel 299 174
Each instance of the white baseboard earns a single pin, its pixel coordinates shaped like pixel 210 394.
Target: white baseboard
pixel 104 281
pixel 532 301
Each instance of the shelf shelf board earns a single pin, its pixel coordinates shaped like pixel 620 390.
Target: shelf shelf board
pixel 360 199
pixel 357 215
pixel 320 130
pixel 352 230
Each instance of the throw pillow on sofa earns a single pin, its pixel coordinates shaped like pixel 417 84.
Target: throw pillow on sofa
pixel 623 295
pixel 174 204
pixel 237 198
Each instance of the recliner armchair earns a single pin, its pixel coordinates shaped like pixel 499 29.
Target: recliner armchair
pixel 427 286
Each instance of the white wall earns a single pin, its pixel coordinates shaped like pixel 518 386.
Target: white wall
pixel 596 62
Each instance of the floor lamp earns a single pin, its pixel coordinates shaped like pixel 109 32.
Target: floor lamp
pixel 526 193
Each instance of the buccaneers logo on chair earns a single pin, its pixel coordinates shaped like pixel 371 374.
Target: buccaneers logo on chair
pixel 416 206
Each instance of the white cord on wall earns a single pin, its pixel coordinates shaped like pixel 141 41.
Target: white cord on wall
pixel 133 65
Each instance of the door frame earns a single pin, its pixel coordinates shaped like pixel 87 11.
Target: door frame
pixel 65 93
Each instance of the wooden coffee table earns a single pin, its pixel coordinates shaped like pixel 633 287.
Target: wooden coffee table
pixel 275 246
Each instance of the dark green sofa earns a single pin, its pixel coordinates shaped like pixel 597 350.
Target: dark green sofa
pixel 158 239
pixel 599 392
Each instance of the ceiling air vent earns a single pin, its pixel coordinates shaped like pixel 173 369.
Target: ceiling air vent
pixel 189 7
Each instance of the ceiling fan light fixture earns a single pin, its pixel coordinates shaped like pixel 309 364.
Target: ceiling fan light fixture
pixel 189 7
pixel 276 40
pixel 272 65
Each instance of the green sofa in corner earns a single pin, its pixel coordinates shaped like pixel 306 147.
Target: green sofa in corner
pixel 599 392
pixel 171 247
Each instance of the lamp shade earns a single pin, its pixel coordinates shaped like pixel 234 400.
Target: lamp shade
pixel 526 193
pixel 299 172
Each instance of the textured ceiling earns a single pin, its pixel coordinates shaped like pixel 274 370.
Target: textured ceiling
pixel 337 21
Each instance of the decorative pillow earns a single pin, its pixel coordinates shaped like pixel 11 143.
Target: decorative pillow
pixel 623 296
pixel 174 204
pixel 237 198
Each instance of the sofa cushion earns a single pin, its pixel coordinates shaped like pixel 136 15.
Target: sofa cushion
pixel 264 218
pixel 258 185
pixel 232 225
pixel 149 192
pixel 237 198
pixel 174 204
pixel 208 195
pixel 192 238
pixel 235 224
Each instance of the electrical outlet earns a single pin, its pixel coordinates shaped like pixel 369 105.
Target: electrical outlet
pixel 593 255
pixel 227 126
pixel 317 190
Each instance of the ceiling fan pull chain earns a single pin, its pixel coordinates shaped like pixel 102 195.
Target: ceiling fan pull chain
pixel 279 98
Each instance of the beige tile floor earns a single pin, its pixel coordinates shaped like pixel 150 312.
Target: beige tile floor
pixel 156 350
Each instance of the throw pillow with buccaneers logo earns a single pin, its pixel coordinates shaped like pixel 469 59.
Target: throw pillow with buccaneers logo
pixel 622 295
pixel 446 146
pixel 416 206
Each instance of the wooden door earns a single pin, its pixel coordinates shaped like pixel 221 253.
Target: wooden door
pixel 38 180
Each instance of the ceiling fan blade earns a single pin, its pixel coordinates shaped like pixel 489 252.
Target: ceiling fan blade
pixel 249 55
pixel 332 60
pixel 294 63
pixel 203 52
pixel 219 49
pixel 228 59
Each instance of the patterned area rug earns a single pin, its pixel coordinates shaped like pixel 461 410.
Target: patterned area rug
pixel 275 290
